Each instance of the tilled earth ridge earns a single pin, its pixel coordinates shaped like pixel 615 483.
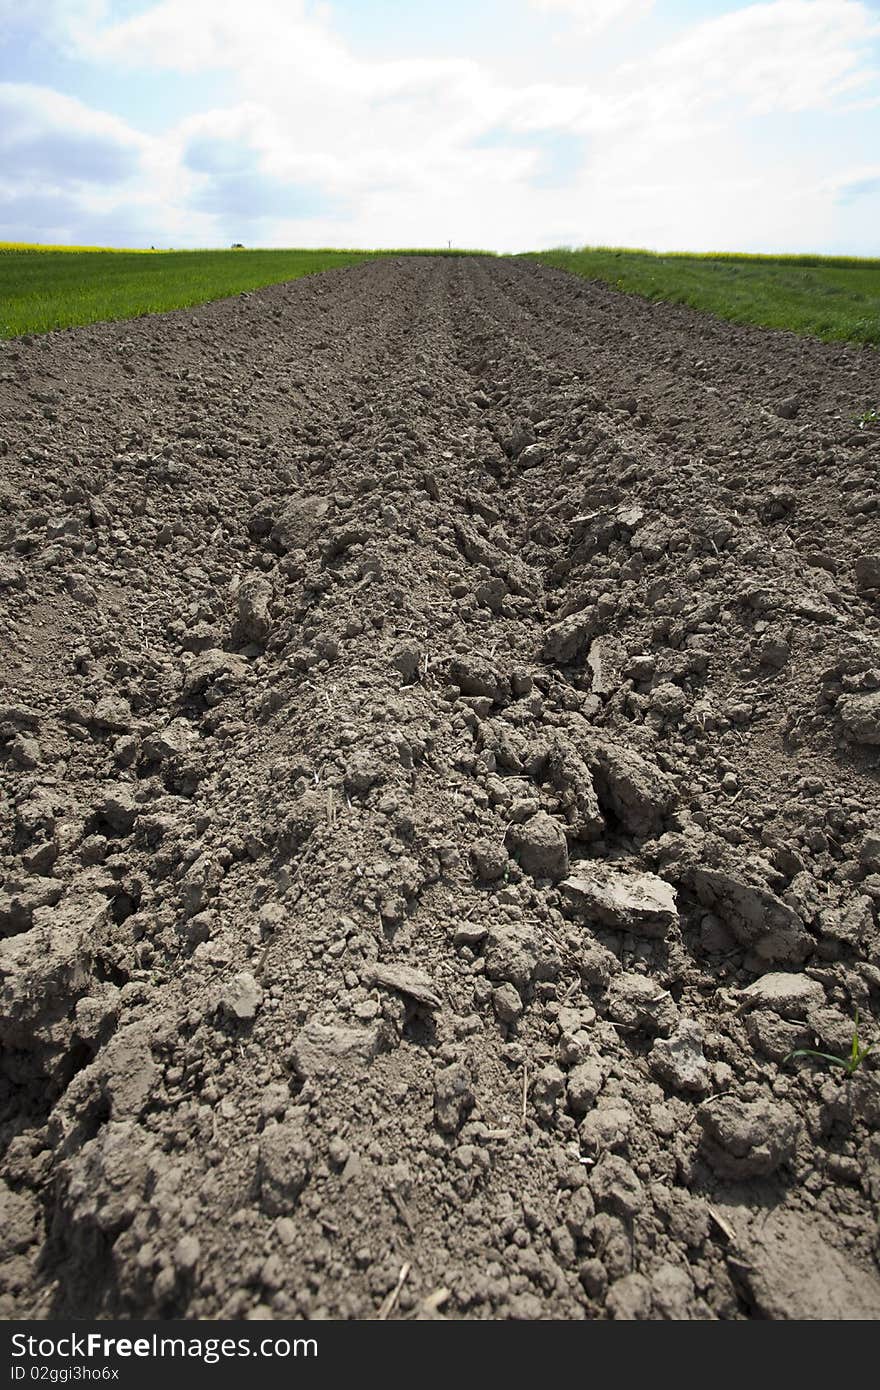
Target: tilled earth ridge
pixel 439 737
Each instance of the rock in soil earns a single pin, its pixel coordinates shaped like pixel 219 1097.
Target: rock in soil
pixel 540 846
pixel 791 1269
pixel 636 902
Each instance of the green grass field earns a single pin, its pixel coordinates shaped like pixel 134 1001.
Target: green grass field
pixel 831 297
pixel 64 287
pixel 42 288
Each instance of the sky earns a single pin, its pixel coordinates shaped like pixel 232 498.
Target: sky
pixel 508 125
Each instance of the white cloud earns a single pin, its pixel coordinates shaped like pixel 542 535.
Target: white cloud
pixel 191 35
pixel 595 15
pixel 70 173
pixel 340 146
pixel 47 138
pixel 851 184
pixel 54 21
pixel 31 108
pixel 787 55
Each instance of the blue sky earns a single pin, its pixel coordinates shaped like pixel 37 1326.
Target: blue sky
pixel 510 124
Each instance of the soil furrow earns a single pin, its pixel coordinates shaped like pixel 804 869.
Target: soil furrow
pixel 439 728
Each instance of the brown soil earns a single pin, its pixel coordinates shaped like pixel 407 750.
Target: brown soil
pixel 439 741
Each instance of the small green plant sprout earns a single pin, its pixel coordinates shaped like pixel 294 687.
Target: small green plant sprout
pixel 869 418
pixel 857 1053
